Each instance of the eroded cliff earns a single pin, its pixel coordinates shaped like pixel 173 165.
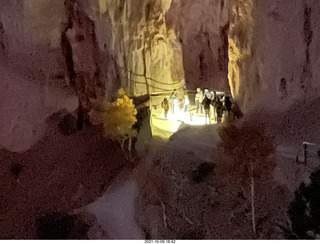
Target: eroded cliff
pixel 273 51
pixel 88 49
pixel 202 29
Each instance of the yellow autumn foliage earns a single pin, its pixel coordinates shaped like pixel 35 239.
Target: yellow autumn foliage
pixel 116 117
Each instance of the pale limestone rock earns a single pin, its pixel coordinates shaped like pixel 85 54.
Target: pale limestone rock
pixel 240 50
pixel 172 43
pixel 44 20
pixel 147 55
pixel 201 27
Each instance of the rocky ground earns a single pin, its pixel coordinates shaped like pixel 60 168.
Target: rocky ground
pixel 198 184
pixel 58 174
pixel 190 195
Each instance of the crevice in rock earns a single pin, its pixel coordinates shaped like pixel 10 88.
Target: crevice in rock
pixel 223 52
pixel 65 43
pixel 307 33
pixel 2 46
pixel 79 36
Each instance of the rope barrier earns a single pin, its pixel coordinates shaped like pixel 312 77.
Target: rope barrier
pixel 163 89
pixel 149 78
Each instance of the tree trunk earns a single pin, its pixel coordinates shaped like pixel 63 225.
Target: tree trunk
pixel 122 144
pixel 129 146
pixel 305 154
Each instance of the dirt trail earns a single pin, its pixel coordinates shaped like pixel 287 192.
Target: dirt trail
pixel 115 210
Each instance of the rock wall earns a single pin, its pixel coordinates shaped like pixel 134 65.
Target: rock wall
pixel 240 49
pixel 289 48
pixel 256 49
pixel 32 84
pixel 273 51
pixel 29 40
pixel 201 27
pixel 146 53
pixel 69 50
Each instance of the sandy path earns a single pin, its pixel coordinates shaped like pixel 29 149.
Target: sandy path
pixel 115 210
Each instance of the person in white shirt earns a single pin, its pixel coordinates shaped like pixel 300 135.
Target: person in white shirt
pixel 198 100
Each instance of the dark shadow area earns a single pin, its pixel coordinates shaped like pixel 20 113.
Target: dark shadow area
pixel 304 211
pixel 16 169
pixel 201 172
pixel 61 226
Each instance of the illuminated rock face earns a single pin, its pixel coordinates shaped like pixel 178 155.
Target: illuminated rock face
pixel 156 45
pixel 147 55
pixel 240 49
pixel 201 27
pixel 84 49
pixel 101 45
pixel 91 48
pixel 273 50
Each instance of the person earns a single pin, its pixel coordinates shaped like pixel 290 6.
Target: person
pixel 227 105
pixel 198 100
pixel 165 106
pixel 207 93
pixel 185 102
pixel 172 99
pixel 236 111
pixel 213 101
pixel 219 109
pixel 206 105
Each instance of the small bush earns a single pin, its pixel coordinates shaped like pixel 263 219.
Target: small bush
pixel 117 117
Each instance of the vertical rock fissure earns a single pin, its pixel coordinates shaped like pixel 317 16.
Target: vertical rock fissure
pixel 225 57
pixel 2 45
pixel 147 12
pixel 65 43
pixel 308 33
pixel 79 37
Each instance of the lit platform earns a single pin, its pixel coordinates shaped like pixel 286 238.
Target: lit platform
pixel 165 127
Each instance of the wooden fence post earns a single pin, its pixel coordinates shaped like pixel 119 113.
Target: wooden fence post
pixel 305 153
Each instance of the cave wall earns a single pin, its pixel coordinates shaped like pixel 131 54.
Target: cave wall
pixel 201 28
pixel 32 82
pixel 30 40
pixel 50 49
pixel 67 53
pixel 143 46
pixel 146 53
pixel 73 51
pixel 273 51
pixel 289 49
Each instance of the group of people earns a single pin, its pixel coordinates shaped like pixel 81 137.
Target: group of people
pixel 174 102
pixel 213 104
pixel 206 101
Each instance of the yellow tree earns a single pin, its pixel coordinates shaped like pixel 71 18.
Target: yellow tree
pixel 117 118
